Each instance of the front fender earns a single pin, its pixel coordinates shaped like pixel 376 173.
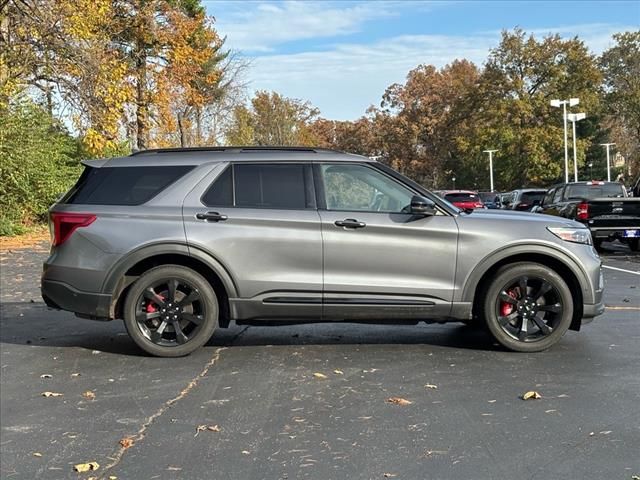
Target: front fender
pixel 522 251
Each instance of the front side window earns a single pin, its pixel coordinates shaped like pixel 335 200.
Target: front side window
pixel 276 186
pixel 352 187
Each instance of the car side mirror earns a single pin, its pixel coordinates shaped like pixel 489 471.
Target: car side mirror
pixel 422 206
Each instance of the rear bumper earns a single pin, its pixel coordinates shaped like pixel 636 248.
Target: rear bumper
pixel 62 296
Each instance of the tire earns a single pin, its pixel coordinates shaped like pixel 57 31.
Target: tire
pixel 548 314
pixel 633 244
pixel 171 311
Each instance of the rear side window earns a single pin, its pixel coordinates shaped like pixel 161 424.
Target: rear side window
pixel 123 185
pixel 595 190
pixel 276 186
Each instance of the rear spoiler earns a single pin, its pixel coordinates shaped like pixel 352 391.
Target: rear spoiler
pixel 95 163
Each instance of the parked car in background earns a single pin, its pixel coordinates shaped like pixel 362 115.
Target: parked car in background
pixel 505 200
pixel 464 199
pixel 604 207
pixel 180 242
pixel 490 199
pixel 525 199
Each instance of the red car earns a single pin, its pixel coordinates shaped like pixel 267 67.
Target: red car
pixel 464 199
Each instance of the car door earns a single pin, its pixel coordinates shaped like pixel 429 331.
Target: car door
pixel 379 261
pixel 259 220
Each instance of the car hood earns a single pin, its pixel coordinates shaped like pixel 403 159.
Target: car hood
pixel 503 215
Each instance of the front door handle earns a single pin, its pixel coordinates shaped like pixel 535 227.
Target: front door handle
pixel 350 223
pixel 211 217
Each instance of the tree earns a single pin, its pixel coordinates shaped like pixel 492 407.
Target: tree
pixel 272 119
pixel 621 69
pixel 521 76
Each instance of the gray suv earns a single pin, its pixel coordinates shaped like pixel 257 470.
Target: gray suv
pixel 179 242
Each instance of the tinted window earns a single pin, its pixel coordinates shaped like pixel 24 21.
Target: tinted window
pixel 462 197
pixel 122 185
pixel 360 188
pixel 277 186
pixel 558 195
pixel 530 197
pixel 608 190
pixel 220 194
pixel 548 198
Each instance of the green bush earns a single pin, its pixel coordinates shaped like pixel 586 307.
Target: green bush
pixel 38 162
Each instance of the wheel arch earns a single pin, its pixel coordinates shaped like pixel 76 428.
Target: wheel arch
pixel 125 272
pixel 569 270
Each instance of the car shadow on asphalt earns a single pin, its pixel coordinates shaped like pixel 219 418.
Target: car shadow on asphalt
pixel 26 323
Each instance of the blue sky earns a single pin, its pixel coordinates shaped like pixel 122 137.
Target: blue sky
pixel 341 55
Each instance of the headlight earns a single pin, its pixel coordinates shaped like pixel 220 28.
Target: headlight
pixel 570 234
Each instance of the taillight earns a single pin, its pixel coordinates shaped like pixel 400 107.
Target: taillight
pixel 522 205
pixel 478 205
pixel 64 224
pixel 583 211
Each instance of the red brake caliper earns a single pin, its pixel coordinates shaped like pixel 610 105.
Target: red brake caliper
pixel 505 307
pixel 151 308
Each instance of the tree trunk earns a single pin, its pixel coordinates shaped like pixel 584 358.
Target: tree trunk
pixel 183 140
pixel 142 135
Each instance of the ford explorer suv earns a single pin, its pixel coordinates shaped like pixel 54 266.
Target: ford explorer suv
pixel 180 242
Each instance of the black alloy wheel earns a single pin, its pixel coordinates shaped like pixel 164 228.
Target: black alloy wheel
pixel 528 307
pixel 171 311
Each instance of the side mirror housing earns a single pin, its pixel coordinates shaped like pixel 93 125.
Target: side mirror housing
pixel 422 206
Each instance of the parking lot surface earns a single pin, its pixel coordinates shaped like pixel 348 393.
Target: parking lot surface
pixel 313 401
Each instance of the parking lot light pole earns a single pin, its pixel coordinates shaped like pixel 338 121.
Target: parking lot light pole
pixel 607 145
pixel 557 103
pixel 490 152
pixel 573 118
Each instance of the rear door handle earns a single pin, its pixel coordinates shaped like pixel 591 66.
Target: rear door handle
pixel 211 217
pixel 350 223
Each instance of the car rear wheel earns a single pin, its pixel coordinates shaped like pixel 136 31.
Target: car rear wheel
pixel 528 307
pixel 170 311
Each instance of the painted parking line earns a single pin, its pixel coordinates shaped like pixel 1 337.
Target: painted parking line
pixel 632 272
pixel 615 307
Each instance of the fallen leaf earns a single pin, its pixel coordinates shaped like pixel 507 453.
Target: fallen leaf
pixel 211 428
pixel 126 442
pixel 113 477
pixel 399 401
pixel 550 411
pixel 37 454
pixel 89 395
pixel 635 477
pixel 531 395
pixel 321 376
pixel 429 385
pixel 86 467
pixel 174 469
pixel 46 375
pixel 388 475
pixel 51 394
pixel 214 428
pixel 338 372
pixel 246 452
pixel 75 374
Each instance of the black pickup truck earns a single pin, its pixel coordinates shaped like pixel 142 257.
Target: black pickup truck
pixel 604 207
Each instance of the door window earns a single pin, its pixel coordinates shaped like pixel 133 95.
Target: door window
pixel 353 187
pixel 276 186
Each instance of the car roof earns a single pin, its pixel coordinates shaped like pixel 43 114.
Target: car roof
pixel 202 155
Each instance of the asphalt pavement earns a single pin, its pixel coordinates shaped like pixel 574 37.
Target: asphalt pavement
pixel 312 401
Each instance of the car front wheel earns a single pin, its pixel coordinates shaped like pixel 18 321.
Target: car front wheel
pixel 528 307
pixel 170 311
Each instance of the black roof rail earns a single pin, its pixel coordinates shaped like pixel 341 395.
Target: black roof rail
pixel 235 149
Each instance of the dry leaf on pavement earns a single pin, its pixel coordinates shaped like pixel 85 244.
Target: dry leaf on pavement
pixel 338 372
pixel 46 375
pixel 89 395
pixel 51 394
pixel 75 374
pixel 126 442
pixel 531 395
pixel 429 385
pixel 388 475
pixel 211 428
pixel 321 376
pixel 86 467
pixel 37 454
pixel 399 401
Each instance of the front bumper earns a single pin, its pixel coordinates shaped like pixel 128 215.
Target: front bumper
pixel 589 311
pixel 62 296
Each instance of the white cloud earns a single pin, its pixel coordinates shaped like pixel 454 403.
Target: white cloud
pixel 344 80
pixel 259 27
